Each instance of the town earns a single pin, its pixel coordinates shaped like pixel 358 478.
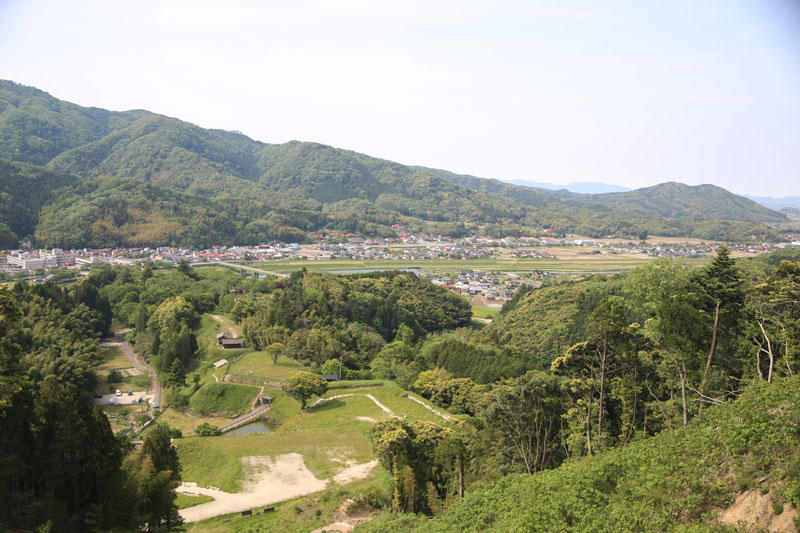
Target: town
pixel 484 287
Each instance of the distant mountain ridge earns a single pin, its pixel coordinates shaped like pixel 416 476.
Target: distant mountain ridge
pixel 257 191
pixel 776 203
pixel 584 187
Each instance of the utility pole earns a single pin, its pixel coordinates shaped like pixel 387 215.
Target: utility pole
pixel 340 366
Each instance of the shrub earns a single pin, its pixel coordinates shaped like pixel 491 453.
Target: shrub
pixel 207 430
pixel 114 376
pixel 141 418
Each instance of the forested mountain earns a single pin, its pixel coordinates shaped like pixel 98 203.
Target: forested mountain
pixel 24 190
pixel 669 200
pixel 293 187
pixel 677 200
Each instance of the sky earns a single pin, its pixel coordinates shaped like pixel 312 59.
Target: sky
pixel 625 92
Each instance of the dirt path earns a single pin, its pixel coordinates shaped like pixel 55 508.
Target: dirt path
pixel 429 408
pixel 227 324
pixel 270 481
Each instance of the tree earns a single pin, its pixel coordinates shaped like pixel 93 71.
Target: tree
pixel 275 350
pixel 673 325
pixel 419 456
pixel 147 272
pixel 527 411
pixel 331 366
pixel 154 473
pixel 185 269
pixel 590 364
pixel 776 307
pixel 158 446
pixel 303 385
pixel 177 374
pixel 722 282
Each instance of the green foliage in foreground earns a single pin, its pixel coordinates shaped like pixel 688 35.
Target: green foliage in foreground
pixel 222 398
pixel 676 479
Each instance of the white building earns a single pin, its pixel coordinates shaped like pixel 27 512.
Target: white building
pixel 42 259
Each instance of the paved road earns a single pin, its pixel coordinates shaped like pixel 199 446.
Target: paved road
pixel 126 348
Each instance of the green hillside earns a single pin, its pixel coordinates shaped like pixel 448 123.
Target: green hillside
pixel 679 480
pixel 297 187
pixel 669 200
pixel 542 323
pixel 677 200
pixel 24 190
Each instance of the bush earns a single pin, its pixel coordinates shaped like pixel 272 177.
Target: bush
pixel 176 398
pixel 364 373
pixel 141 418
pixel 207 430
pixel 114 376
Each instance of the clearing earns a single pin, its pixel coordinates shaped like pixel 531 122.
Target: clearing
pixel 269 481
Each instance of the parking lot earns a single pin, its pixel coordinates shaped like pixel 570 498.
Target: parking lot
pixel 126 398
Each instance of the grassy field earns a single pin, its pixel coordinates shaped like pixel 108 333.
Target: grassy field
pixel 178 418
pixel 115 359
pixel 223 398
pixel 326 436
pixel 483 311
pixel 188 500
pixel 569 261
pixel 260 364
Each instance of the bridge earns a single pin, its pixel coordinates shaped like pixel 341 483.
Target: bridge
pixel 246 418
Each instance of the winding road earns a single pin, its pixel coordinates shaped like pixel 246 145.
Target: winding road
pixel 150 371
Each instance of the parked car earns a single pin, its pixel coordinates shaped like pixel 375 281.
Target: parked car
pixel 110 401
pixel 130 393
pixel 119 392
pixel 98 395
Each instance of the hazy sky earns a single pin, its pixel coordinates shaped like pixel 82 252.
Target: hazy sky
pixel 626 92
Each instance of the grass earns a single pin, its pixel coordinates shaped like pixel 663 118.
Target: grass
pixel 323 435
pixel 181 419
pixel 571 262
pixel 260 364
pixel 189 500
pixel 483 311
pixel 223 398
pixel 114 359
